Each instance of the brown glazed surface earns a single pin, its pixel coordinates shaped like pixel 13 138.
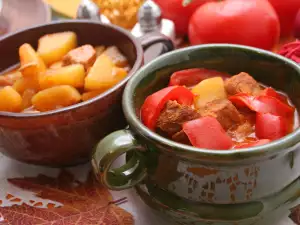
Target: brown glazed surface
pixel 66 136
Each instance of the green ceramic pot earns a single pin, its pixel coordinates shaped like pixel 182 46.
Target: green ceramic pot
pixel 200 186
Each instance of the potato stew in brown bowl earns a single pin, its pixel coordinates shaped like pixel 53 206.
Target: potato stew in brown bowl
pixel 60 73
pixel 61 88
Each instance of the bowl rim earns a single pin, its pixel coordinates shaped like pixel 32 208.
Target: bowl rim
pixel 187 151
pixel 137 64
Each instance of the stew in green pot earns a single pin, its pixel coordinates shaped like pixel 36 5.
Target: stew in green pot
pixel 213 110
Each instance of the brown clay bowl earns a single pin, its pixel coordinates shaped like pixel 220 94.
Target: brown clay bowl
pixel 66 136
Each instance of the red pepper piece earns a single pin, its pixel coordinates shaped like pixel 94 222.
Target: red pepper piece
pixel 253 143
pixel 271 127
pixel 242 100
pixel 271 92
pixel 191 77
pixel 207 132
pixel 262 104
pixel 154 103
pixel 267 104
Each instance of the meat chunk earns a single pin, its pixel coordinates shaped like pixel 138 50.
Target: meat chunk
pixel 99 50
pixel 181 137
pixel 224 111
pixel 85 55
pixel 241 131
pixel 242 83
pixel 173 116
pixel 246 127
pixel 116 56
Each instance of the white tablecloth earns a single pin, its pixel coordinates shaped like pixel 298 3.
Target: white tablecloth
pixel 142 214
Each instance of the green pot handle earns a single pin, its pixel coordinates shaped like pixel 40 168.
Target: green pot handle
pixel 108 150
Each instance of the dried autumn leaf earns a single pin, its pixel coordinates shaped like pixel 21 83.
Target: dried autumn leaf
pixel 83 203
pixel 295 215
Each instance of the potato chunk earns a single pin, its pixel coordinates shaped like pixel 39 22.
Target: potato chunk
pixel 119 74
pixel 53 47
pixel 11 100
pixel 26 83
pixel 9 79
pixel 26 98
pixel 209 90
pixel 31 62
pixel 91 94
pixel 55 98
pixel 56 65
pixel 30 110
pixel 116 56
pixel 85 55
pixel 72 75
pixel 103 74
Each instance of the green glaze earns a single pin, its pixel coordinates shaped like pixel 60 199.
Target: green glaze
pixel 201 212
pixel 200 186
pixel 266 67
pixel 108 150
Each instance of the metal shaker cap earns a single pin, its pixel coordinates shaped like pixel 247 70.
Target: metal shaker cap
pixel 88 10
pixel 149 16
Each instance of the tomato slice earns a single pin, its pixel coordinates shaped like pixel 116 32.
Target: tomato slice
pixel 253 143
pixel 207 132
pixel 271 127
pixel 154 103
pixel 191 77
pixel 262 104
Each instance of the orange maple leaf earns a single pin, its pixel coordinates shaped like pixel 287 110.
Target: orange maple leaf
pixel 295 215
pixel 83 203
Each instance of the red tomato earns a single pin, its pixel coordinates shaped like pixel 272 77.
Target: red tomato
pixel 180 15
pixel 207 132
pixel 154 103
pixel 297 27
pixel 246 22
pixel 286 11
